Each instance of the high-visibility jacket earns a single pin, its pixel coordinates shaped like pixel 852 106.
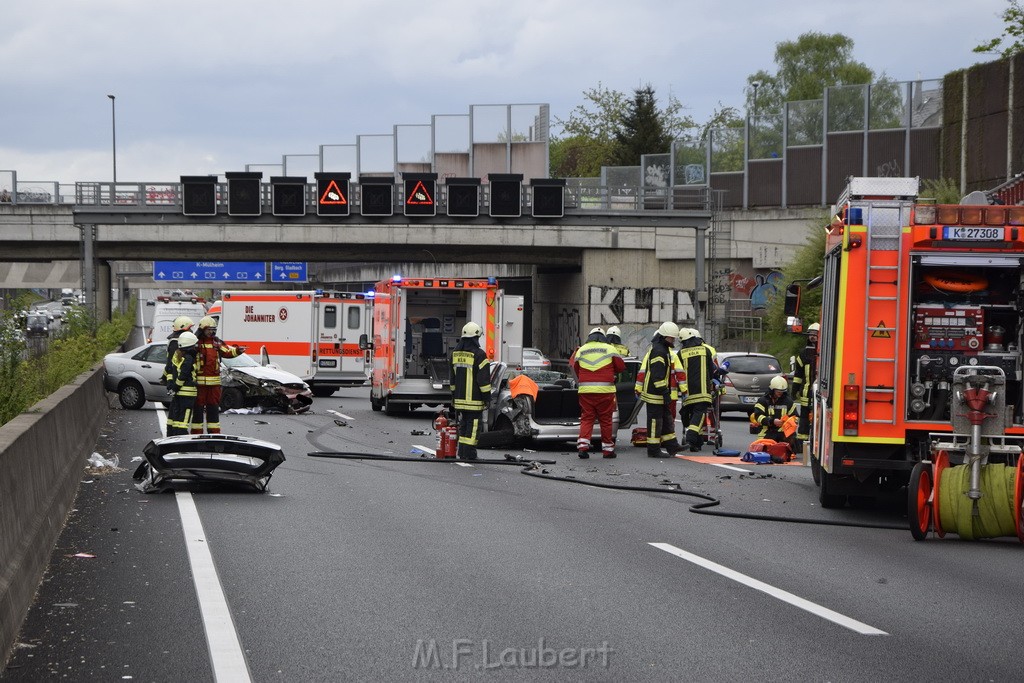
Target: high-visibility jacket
pixel 172 346
pixel 211 350
pixel 470 376
pixel 698 363
pixel 659 375
pixel 803 376
pixel 596 365
pixel 183 373
pixel 767 410
pixel 621 349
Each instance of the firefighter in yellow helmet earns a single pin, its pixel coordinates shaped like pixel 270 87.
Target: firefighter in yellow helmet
pixel 471 388
pixel 596 364
pixel 211 350
pixel 182 385
pixel 772 411
pixel 804 375
pixel 656 385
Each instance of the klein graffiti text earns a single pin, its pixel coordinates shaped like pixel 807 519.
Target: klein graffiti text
pixel 618 305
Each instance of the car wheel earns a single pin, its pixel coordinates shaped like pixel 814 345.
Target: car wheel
pixel 231 398
pixel 323 392
pixel 131 395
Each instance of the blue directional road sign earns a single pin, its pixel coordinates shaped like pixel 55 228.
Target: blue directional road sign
pixel 288 271
pixel 210 271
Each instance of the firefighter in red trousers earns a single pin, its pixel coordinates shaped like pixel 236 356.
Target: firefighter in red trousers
pixel 596 364
pixel 210 351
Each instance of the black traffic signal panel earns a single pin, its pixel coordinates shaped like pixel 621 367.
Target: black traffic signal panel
pixel 463 197
pixel 548 198
pixel 332 192
pixel 506 195
pixel 420 194
pixel 199 195
pixel 376 198
pixel 288 195
pixel 244 198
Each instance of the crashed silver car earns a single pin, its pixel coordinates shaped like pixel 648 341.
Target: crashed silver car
pixel 136 377
pixel 554 416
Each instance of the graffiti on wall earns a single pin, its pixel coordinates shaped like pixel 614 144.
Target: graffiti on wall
pixel 760 288
pixel 618 305
pixel 568 332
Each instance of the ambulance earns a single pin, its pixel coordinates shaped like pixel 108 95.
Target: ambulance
pixel 416 324
pixel 314 334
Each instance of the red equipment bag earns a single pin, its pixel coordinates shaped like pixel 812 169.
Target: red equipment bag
pixel 639 436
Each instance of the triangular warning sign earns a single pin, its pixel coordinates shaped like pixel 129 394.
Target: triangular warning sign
pixel 881 334
pixel 419 195
pixel 333 195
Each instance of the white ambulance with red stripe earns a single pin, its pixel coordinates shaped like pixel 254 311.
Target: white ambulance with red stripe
pixel 416 324
pixel 314 334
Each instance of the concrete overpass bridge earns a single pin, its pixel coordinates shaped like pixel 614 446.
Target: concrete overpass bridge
pixel 602 265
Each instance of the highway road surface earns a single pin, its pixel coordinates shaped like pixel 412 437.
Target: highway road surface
pixel 367 570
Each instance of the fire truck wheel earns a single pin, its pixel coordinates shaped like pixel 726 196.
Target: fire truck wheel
pixel 826 497
pixel 231 398
pixel 815 471
pixel 919 504
pixel 376 404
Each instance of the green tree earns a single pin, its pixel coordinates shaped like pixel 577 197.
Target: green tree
pixel 1013 30
pixel 641 130
pixel 590 136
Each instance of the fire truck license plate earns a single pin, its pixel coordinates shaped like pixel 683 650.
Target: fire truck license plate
pixel 972 234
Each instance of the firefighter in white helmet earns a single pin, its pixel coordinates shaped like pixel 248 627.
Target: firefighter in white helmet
pixel 181 324
pixel 471 388
pixel 210 350
pixel 182 385
pixel 773 410
pixel 596 364
pixel 614 337
pixel 656 385
pixel 804 375
pixel 698 362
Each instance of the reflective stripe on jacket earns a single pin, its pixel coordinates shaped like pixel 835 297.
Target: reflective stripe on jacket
pixel 596 364
pixel 184 374
pixel 211 350
pixel 698 364
pixel 470 376
pixel 657 379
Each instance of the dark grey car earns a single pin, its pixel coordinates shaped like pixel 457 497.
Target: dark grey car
pixel 748 378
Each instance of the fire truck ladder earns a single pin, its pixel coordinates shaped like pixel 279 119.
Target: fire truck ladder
pixel 881 307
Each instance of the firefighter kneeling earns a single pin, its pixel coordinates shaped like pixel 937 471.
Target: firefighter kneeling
pixel 471 388
pixel 596 364
pixel 775 414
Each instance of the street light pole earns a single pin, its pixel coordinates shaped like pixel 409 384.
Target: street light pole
pixel 755 85
pixel 113 134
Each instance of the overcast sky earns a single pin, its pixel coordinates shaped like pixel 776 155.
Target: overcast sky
pixel 208 87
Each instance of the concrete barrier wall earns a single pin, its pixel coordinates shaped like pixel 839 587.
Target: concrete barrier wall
pixel 43 453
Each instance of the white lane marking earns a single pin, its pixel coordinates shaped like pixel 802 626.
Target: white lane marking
pixel 777 593
pixel 341 415
pixel 730 467
pixel 226 654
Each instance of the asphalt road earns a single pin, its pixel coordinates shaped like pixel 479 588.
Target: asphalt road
pixel 367 570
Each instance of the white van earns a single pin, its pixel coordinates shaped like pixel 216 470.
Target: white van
pixel 164 314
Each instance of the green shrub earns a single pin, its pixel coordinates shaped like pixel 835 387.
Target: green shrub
pixel 26 381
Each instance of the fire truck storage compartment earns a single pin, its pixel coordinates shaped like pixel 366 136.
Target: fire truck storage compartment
pixel 433 326
pixel 966 309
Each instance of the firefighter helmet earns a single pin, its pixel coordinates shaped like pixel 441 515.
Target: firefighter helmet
pixel 182 322
pixel 597 330
pixel 779 383
pixel 669 329
pixel 207 322
pixel 687 333
pixel 815 327
pixel 187 339
pixel 471 330
pixel 613 331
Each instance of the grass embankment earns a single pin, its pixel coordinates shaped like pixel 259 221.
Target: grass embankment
pixel 81 344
